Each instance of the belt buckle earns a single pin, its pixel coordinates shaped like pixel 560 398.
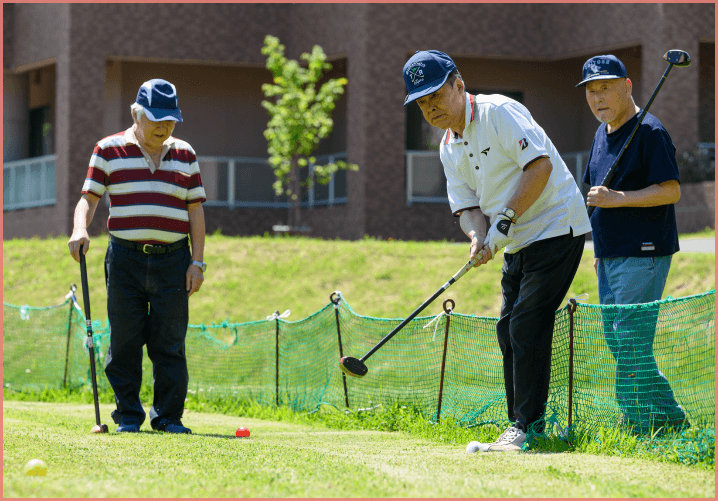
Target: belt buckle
pixel 144 248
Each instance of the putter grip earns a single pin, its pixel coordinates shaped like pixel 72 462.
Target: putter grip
pixel 85 291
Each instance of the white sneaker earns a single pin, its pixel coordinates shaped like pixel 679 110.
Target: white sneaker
pixel 510 440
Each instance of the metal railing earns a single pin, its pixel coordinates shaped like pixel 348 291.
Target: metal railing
pixel 248 182
pixel 29 183
pixel 426 182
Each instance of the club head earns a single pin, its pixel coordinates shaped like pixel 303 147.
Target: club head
pixel 100 428
pixel 678 58
pixel 353 367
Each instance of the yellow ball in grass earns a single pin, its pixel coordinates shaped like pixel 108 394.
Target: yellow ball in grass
pixel 36 467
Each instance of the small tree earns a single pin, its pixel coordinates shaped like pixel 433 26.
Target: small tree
pixel 300 118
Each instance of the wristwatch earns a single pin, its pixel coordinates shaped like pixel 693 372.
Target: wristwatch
pixel 510 213
pixel 202 266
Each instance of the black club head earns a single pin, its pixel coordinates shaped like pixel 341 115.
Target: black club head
pixel 353 367
pixel 678 58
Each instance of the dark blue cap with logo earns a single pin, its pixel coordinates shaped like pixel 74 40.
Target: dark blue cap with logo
pixel 602 68
pixel 425 72
pixel 159 99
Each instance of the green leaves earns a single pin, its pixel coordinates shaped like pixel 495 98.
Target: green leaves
pixel 300 115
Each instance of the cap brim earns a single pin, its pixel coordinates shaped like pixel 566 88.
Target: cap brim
pixel 162 114
pixel 598 77
pixel 426 89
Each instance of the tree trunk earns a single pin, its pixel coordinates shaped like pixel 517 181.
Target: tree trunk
pixel 295 199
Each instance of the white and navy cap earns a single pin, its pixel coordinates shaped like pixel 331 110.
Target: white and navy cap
pixel 425 73
pixel 602 68
pixel 159 99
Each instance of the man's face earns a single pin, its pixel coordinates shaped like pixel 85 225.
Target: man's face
pixel 610 99
pixel 151 134
pixel 445 106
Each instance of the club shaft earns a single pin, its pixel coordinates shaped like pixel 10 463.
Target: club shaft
pixel 426 303
pixel 612 170
pixel 88 317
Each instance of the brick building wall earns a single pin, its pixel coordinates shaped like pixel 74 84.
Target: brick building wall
pixel 535 48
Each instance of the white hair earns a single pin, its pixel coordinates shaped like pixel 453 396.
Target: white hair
pixel 137 110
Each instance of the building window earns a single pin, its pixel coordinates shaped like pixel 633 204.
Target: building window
pixel 248 182
pixel 40 133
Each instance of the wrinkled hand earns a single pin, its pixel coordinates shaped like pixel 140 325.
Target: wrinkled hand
pixel 600 196
pixel 478 250
pixel 500 234
pixel 194 279
pixel 78 238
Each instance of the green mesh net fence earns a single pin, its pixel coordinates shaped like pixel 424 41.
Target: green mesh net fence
pixel 644 367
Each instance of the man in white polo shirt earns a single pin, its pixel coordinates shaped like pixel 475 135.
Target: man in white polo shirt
pixel 156 197
pixel 499 162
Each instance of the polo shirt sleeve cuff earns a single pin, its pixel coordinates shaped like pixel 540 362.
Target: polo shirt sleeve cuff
pixel 458 212
pixel 533 160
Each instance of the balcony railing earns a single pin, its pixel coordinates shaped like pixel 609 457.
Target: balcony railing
pixel 426 182
pixel 29 183
pixel 247 182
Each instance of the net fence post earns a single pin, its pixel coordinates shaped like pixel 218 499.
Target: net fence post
pixel 336 301
pixel 276 362
pixel 73 300
pixel 447 311
pixel 276 316
pixel 571 310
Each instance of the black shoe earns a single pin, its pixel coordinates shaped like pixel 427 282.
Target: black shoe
pixel 128 427
pixel 172 427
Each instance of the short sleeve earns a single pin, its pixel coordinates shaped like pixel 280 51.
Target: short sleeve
pixel 659 155
pixel 461 196
pixel 98 175
pixel 522 139
pixel 195 190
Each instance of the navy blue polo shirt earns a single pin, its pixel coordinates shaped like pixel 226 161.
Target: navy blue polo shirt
pixel 650 159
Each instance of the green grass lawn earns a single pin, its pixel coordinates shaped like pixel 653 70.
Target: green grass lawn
pixel 294 459
pixel 248 278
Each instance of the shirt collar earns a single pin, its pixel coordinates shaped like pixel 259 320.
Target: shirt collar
pixel 469 117
pixel 131 138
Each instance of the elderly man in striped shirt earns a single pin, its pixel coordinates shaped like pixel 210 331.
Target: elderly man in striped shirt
pixel 156 197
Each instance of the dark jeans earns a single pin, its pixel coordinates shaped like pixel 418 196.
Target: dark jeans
pixel 534 283
pixel 147 304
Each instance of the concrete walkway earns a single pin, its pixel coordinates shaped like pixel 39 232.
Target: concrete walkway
pixel 687 245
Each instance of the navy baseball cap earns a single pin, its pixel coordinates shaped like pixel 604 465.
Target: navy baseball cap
pixel 602 68
pixel 425 72
pixel 159 99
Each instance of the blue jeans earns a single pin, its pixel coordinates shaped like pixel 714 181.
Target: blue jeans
pixel 147 303
pixel 534 282
pixel 643 393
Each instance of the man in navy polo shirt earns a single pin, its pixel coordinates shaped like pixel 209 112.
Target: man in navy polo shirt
pixel 500 163
pixel 634 235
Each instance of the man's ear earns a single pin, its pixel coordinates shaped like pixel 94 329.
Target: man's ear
pixel 629 86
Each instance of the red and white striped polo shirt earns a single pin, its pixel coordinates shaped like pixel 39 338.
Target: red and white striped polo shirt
pixel 145 206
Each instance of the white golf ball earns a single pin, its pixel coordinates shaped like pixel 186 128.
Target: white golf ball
pixel 36 467
pixel 472 447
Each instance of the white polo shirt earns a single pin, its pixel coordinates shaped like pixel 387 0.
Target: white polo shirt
pixel 484 167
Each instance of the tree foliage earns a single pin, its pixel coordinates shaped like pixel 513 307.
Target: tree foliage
pixel 300 116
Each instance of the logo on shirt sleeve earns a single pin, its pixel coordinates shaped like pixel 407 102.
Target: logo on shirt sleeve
pixel 486 151
pixel 523 143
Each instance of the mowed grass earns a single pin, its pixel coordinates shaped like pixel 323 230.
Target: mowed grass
pixel 284 459
pixel 248 278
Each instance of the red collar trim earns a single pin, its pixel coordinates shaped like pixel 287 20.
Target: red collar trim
pixel 471 101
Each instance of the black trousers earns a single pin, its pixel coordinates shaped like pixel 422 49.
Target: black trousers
pixel 534 282
pixel 147 303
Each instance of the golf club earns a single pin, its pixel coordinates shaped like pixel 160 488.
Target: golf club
pixel 678 58
pixel 356 366
pixel 99 427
